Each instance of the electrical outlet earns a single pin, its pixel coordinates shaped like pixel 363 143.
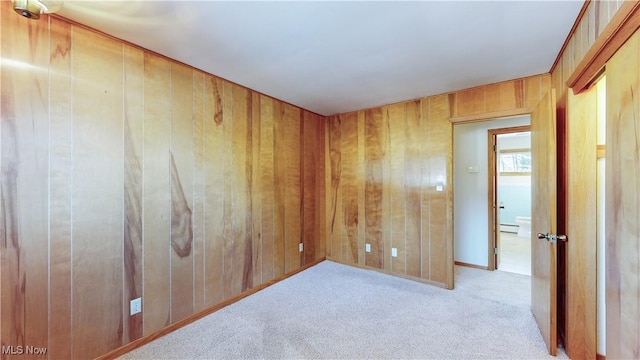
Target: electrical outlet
pixel 300 247
pixel 394 252
pixel 367 247
pixel 135 306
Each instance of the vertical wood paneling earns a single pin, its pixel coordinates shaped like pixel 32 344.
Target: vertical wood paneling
pixel 397 135
pixel 291 120
pixel 374 157
pixel 425 195
pixel 268 186
pixel 349 222
pixel 439 155
pixel 385 137
pixel 230 220
pixel 328 194
pixel 622 202
pixel 321 189
pixel 360 181
pixel 309 207
pixel 242 277
pixel 470 101
pixel 24 166
pixel 156 194
pixel 133 160
pixel 532 91
pixel 280 166
pixel 181 167
pixel 335 199
pixel 240 251
pixel 148 179
pixel 256 188
pixel 199 269
pixel 214 190
pixel 413 188
pixel 97 216
pixel 61 165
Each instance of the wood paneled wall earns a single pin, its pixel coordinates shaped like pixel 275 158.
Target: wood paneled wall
pixel 507 98
pixel 622 201
pixel 125 174
pixel 577 186
pixel 385 167
pixel 596 17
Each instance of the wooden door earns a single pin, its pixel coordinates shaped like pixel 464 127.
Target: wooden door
pixel 544 219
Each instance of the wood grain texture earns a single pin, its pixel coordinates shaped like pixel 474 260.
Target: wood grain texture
pixel 214 190
pixel 292 180
pixel 349 187
pixel 256 188
pixel 133 160
pixel 60 172
pixel 181 168
pixel 279 252
pixel 309 147
pixel 125 174
pixel 335 194
pixel 503 99
pixel 622 202
pixel 239 253
pixel 199 251
pixel 268 185
pixel 156 194
pixel 425 193
pixel 581 190
pixel 321 188
pixel 360 180
pixel 585 67
pixel 413 189
pixel 97 216
pixel 397 134
pixel 440 216
pixel 544 220
pixel 374 160
pixel 230 220
pixel 24 162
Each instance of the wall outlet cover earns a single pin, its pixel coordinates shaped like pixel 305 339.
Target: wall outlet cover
pixel 394 252
pixel 367 247
pixel 135 306
pixel 300 247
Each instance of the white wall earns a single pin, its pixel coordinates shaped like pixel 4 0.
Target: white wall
pixel 470 190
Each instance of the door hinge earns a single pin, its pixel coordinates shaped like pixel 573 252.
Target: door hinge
pixel 495 147
pixel 495 251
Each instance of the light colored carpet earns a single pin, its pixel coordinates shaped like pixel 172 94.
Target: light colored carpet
pixel 333 311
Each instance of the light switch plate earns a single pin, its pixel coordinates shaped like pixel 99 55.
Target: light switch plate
pixel 367 247
pixel 394 252
pixel 135 306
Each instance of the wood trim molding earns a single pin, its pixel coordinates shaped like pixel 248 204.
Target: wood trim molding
pixel 601 151
pixel 460 263
pixel 114 354
pixel 623 24
pixel 490 115
pixel 576 23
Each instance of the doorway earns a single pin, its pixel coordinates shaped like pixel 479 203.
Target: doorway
pixel 471 178
pixel 509 170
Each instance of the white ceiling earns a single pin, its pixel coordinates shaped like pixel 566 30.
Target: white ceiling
pixel 336 56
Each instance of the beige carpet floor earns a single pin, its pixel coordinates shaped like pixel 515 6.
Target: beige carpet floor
pixel 333 311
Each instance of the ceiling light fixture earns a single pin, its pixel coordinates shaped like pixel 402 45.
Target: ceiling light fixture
pixel 32 9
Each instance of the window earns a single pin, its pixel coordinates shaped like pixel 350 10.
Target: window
pixel 515 162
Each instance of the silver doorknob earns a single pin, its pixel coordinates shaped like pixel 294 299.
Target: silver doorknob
pixel 542 236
